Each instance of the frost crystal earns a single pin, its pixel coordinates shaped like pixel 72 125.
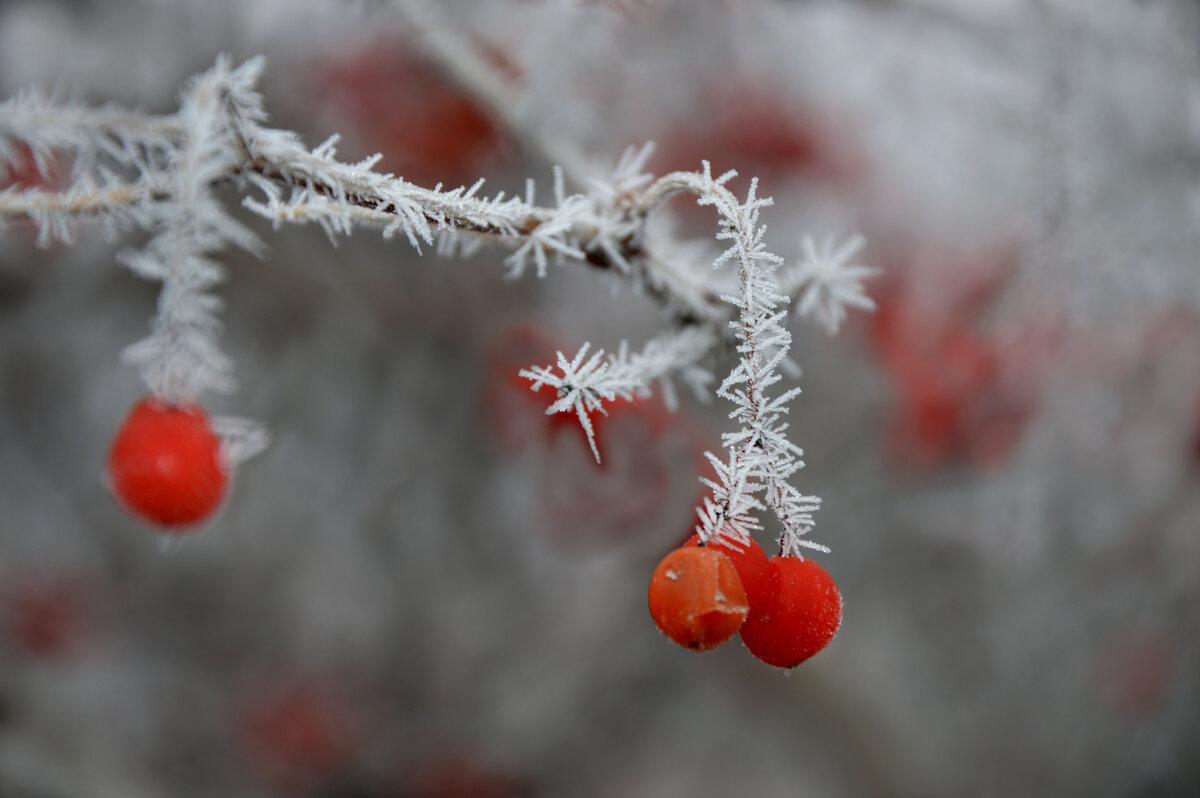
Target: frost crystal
pixel 584 385
pixel 828 283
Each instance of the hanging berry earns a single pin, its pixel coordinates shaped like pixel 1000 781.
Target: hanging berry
pixel 802 617
pixel 697 598
pixel 166 465
pixel 752 566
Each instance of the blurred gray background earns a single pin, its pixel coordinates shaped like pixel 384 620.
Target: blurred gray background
pixel 422 589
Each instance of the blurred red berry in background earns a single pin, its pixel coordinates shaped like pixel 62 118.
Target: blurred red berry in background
pixel 960 397
pixel 20 170
pixel 45 618
pixel 758 133
pixel 645 448
pixel 513 413
pixel 299 734
pixel 427 130
pixel 461 775
pixel 1137 671
pixel 624 494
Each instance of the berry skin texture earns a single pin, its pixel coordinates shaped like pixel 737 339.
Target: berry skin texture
pixel 803 616
pixel 165 464
pixel 697 598
pixel 752 566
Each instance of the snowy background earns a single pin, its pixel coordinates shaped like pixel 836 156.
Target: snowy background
pixel 424 588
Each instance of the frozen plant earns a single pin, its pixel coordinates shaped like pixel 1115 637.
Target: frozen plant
pixel 158 173
pixel 830 282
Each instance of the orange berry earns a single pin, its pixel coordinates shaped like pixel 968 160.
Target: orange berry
pixel 752 566
pixel 697 598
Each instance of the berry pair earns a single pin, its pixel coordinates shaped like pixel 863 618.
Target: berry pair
pixel 166 465
pixel 786 608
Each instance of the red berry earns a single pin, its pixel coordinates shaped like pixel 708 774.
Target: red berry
pixel 803 615
pixel 23 172
pixel 1138 671
pixel 165 465
pixel 461 775
pixel 44 618
pixel 300 733
pixel 513 413
pixel 696 598
pixel 426 127
pixel 752 566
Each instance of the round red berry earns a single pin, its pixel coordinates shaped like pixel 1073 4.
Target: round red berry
pixel 165 465
pixel 750 562
pixel 803 615
pixel 696 598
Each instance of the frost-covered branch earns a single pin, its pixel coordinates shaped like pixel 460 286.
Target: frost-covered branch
pixel 584 385
pixel 123 137
pixel 181 359
pixel 760 457
pixel 52 212
pixel 160 174
pixel 600 228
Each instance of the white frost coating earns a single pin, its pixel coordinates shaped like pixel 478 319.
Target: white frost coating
pixel 159 173
pixel 827 283
pixel 181 358
pixel 241 438
pixel 760 458
pixel 584 385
